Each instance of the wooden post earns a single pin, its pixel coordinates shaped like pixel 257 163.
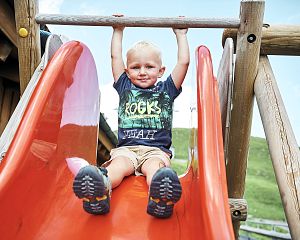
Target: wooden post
pixel 28 39
pixel 282 144
pixel 276 39
pixel 247 56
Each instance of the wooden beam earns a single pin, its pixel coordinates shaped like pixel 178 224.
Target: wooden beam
pixel 276 39
pixel 271 234
pixel 29 44
pixel 282 143
pixel 7 23
pixel 162 22
pixel 247 56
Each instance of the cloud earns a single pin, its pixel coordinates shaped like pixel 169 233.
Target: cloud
pixel 46 6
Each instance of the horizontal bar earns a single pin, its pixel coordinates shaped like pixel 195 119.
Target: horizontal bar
pixel 275 40
pixel 161 22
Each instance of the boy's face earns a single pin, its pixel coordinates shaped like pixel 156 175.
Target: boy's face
pixel 144 67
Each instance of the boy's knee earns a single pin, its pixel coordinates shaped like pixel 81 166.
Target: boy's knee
pixel 122 164
pixel 152 165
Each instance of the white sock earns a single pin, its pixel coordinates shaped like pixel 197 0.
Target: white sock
pixel 75 164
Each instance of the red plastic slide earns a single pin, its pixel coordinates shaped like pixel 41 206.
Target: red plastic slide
pixel 61 122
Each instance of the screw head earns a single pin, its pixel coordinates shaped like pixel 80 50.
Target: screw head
pixel 23 32
pixel 251 38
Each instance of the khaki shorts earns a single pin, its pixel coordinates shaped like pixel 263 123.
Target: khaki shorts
pixel 138 155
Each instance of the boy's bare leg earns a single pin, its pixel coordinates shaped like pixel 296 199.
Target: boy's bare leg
pixel 150 167
pixel 119 168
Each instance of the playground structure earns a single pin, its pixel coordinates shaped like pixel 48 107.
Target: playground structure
pixel 252 75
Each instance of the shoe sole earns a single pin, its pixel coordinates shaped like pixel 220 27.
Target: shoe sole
pixel 165 191
pixel 89 186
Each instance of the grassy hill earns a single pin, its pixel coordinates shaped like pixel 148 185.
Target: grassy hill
pixel 261 193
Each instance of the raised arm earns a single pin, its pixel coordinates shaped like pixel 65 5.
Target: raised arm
pixel 117 62
pixel 183 57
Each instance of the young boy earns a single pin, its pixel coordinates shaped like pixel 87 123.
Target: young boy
pixel 144 132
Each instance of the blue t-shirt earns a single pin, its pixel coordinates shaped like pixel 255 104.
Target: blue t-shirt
pixel 145 115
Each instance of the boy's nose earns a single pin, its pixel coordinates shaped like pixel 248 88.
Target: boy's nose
pixel 142 70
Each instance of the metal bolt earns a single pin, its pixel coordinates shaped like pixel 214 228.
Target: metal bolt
pixel 251 38
pixel 23 32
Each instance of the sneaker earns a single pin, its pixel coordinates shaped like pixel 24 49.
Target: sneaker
pixel 92 185
pixel 165 191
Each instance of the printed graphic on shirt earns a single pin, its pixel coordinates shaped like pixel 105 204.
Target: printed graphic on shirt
pixel 144 109
pixel 139 134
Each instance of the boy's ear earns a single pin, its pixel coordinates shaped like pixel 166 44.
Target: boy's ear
pixel 161 71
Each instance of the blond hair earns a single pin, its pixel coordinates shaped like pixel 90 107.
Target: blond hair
pixel 143 45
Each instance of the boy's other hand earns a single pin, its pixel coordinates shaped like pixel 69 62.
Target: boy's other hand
pixel 118 27
pixel 180 30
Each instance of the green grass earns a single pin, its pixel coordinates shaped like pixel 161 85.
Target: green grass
pixel 180 140
pixel 261 192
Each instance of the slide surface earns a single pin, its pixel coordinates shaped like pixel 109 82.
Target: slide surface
pixel 61 122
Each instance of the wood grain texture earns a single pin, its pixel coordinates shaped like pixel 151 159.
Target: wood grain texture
pixel 178 22
pixel 225 85
pixel 276 39
pixel 246 64
pixel 282 143
pixel 29 49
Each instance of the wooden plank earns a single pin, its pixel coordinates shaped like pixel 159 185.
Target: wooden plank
pixel 29 46
pixel 267 233
pixel 276 39
pixel 177 22
pixel 282 143
pixel 225 85
pixel 247 56
pixel 7 23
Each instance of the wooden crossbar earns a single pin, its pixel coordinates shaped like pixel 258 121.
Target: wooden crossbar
pixel 160 22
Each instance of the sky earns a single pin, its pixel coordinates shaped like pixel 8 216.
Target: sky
pixel 286 68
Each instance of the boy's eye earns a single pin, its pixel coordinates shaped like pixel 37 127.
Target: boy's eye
pixel 135 67
pixel 149 67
